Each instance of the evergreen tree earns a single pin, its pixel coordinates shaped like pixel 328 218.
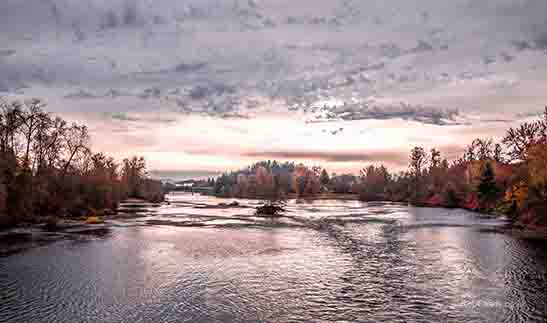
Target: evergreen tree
pixel 325 179
pixel 451 198
pixel 487 188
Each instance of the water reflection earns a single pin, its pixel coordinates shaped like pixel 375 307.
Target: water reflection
pixel 328 261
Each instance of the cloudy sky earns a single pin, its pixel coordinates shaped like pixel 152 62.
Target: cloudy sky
pixel 207 85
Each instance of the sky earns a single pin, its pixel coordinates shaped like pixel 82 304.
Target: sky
pixel 201 86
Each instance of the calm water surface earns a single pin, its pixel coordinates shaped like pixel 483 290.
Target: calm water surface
pixel 327 261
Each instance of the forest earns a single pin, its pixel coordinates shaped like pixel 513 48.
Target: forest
pixel 500 178
pixel 48 170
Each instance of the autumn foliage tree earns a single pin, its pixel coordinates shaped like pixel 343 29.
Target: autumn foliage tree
pixel 487 188
pixel 374 183
pixel 47 167
pixel 288 177
pixel 520 140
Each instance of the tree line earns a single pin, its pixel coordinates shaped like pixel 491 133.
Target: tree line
pixel 507 177
pixel 47 168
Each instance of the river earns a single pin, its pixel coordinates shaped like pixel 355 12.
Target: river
pixel 193 260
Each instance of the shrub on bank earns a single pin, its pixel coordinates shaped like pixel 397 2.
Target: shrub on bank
pixel 94 220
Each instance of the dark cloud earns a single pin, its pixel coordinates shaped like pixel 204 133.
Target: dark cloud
pixel 55 13
pixel 122 116
pixel 521 44
pixel 111 94
pixel 541 40
pixel 526 115
pixel 9 86
pixel 269 23
pixel 78 33
pixel 7 52
pixel 390 50
pixel 506 57
pixel 368 111
pixel 189 67
pixel 488 60
pixel 421 47
pixel 4 87
pixel 159 20
pixel 425 16
pixel 233 115
pixel 210 103
pixel 130 13
pixel 13 77
pixel 252 3
pixel 111 20
pixel 203 91
pixel 81 94
pixel 374 67
pixel 153 92
pixel 393 157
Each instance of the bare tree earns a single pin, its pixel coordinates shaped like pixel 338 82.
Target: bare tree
pixel 543 127
pixel 46 141
pixel 470 153
pixel 10 122
pixel 54 146
pixel 418 161
pixel 519 140
pixel 76 140
pixel 435 161
pixel 484 147
pixel 133 174
pixel 498 154
pixel 30 121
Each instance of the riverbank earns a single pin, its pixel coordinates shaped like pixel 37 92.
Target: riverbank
pixel 232 213
pixel 48 229
pixel 27 236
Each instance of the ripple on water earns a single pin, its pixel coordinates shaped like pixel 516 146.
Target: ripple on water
pixel 327 261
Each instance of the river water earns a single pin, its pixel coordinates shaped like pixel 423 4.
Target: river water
pixel 194 260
